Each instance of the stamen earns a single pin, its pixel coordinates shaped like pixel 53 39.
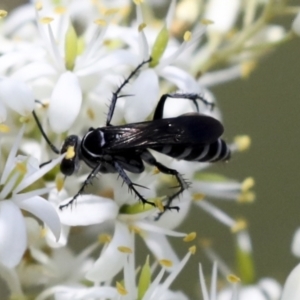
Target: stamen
pixel 125 249
pixel 233 278
pixel 121 289
pixel 104 238
pixel 4 128
pixel 166 263
pixel 3 13
pixel 190 237
pixel 46 20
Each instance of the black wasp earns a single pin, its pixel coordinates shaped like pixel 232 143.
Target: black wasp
pixel 116 149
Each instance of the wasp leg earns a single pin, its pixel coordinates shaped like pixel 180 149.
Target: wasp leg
pixel 115 95
pixel 159 110
pixel 87 181
pixel 130 184
pixel 182 184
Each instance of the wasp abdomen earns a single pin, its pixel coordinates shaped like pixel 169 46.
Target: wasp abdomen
pixel 216 151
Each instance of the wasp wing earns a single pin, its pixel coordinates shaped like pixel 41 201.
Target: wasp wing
pixel 184 130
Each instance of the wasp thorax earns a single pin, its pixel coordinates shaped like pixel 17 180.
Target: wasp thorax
pixel 93 141
pixel 70 163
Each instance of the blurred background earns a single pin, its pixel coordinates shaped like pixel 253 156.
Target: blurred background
pixel 265 106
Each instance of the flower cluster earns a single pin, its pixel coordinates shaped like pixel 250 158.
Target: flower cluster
pixel 62 64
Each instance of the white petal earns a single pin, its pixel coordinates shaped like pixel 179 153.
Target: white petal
pixel 88 210
pixel 296 24
pixel 271 288
pixel 296 243
pixel 34 71
pixel 111 260
pixel 172 219
pixel 12 279
pixel 291 289
pixel 43 210
pixel 3 113
pixel 17 95
pixel 13 239
pixel 65 102
pixel 160 247
pixel 145 91
pixel 10 161
pixel 182 79
pixel 223 14
pixel 20 16
pixel 63 238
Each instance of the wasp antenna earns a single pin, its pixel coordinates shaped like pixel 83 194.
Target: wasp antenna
pixel 45 163
pixel 53 148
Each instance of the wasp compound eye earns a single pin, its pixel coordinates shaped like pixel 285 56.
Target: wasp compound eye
pixel 70 163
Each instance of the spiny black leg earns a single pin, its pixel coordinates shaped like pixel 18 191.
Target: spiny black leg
pixel 182 184
pixel 130 184
pixel 158 114
pixel 115 95
pixel 85 183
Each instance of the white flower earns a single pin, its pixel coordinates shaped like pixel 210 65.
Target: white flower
pixel 91 210
pixel 291 289
pixel 19 173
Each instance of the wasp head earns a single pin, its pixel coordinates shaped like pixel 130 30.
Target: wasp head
pixel 70 163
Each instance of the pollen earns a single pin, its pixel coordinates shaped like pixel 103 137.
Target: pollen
pixel 233 278
pixel 246 197
pixel 90 114
pixel 43 232
pixel 135 229
pixel 70 152
pixel 247 68
pixel 125 249
pixel 3 13
pixel 121 289
pixel 138 2
pixel 46 20
pixel 247 184
pixel 21 167
pixel 159 205
pixel 4 128
pixel 193 249
pixel 207 22
pixel 24 119
pixel 239 226
pixel 100 22
pixel 166 263
pixel 187 36
pixel 104 238
pixel 142 26
pixel 198 197
pixel 111 11
pixel 190 237
pixel 59 182
pixel 205 243
pixel 242 142
pixel 39 5
pixel 60 10
pixel 155 171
